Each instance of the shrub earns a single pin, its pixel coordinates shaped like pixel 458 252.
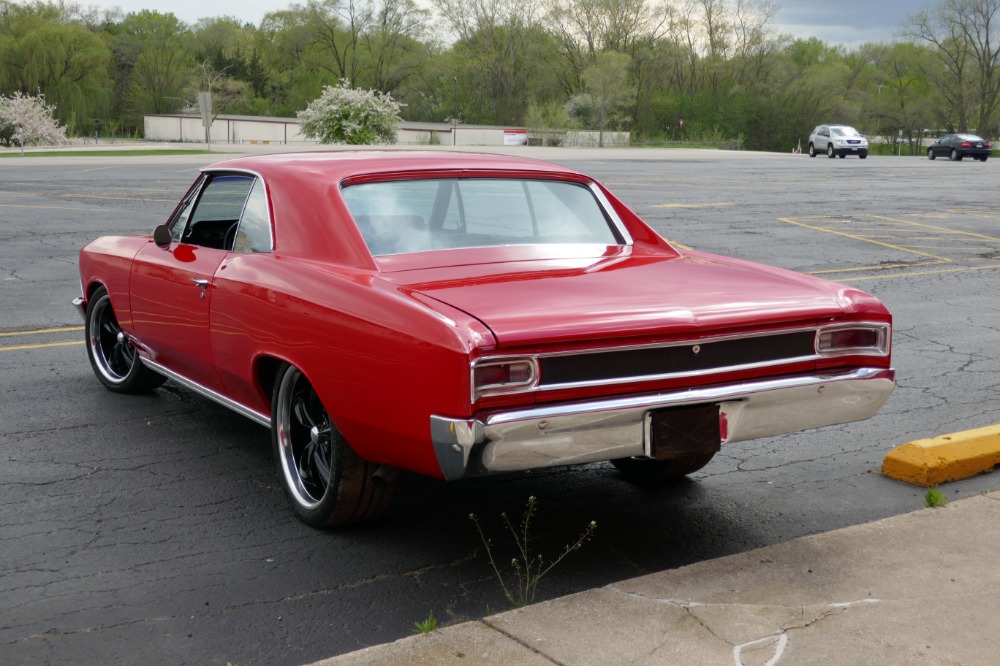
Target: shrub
pixel 40 127
pixel 352 116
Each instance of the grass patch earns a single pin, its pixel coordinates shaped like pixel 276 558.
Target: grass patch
pixel 934 498
pixel 108 153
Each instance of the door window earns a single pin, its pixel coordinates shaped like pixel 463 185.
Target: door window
pixel 211 218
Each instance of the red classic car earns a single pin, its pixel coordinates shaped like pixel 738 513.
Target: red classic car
pixel 457 315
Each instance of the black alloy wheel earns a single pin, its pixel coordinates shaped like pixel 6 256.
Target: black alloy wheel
pixel 326 481
pixel 112 355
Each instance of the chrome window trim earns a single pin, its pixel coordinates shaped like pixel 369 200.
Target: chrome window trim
pixel 609 210
pixel 267 196
pixel 590 185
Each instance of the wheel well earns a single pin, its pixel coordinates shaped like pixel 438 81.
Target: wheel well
pixel 91 288
pixel 267 374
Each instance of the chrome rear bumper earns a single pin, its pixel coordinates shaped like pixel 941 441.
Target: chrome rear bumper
pixel 564 434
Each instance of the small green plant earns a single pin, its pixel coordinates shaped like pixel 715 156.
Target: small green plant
pixel 528 568
pixel 934 498
pixel 427 626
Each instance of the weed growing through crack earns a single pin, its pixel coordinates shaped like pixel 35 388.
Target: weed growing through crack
pixel 528 568
pixel 427 626
pixel 934 498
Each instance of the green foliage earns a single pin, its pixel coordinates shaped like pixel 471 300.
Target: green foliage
pixel 934 498
pixel 346 115
pixel 426 626
pixel 617 63
pixel 528 568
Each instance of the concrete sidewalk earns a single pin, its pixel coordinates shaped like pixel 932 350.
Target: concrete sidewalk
pixel 921 588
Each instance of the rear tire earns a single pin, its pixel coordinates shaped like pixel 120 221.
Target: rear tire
pixel 955 156
pixel 984 158
pixel 646 471
pixel 112 355
pixel 326 481
pixel 812 150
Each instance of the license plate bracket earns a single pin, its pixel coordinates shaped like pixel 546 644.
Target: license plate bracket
pixel 682 431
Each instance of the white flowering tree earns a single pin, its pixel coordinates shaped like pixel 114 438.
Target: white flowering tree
pixel 34 118
pixel 347 115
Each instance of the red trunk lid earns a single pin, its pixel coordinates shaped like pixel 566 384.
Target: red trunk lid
pixel 566 300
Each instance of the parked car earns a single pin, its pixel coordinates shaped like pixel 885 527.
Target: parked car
pixel 837 140
pixel 457 315
pixel 957 146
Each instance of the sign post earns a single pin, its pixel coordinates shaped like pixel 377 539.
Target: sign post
pixel 20 137
pixel 682 130
pixel 205 106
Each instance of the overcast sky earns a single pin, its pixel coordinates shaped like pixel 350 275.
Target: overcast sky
pixel 849 22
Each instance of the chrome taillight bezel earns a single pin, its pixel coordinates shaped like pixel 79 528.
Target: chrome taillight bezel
pixel 879 347
pixel 524 386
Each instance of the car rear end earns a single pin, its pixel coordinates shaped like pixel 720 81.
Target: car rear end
pixel 600 371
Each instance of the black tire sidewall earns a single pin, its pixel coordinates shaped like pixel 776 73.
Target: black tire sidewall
pixel 336 505
pixel 139 378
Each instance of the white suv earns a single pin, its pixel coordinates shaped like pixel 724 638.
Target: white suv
pixel 839 140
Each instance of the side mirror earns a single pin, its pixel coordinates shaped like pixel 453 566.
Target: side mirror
pixel 161 236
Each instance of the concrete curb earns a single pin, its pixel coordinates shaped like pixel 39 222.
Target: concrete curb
pixel 928 462
pixel 919 588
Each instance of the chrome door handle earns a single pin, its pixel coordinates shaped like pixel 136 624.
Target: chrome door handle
pixel 204 284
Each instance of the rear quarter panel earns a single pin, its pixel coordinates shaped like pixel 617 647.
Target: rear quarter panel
pixel 381 361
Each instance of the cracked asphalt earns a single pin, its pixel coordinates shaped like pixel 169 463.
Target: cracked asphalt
pixel 152 530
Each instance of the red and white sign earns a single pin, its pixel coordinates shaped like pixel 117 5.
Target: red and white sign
pixel 515 137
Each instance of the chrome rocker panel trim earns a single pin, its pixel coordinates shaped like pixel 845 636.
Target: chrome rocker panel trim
pixel 240 409
pixel 573 433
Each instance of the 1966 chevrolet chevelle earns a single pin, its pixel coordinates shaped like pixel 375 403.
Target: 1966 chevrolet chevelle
pixel 457 315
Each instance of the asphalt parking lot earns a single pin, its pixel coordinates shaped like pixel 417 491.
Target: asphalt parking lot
pixel 152 530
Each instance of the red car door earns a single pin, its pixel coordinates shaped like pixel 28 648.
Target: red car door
pixel 171 295
pixel 171 287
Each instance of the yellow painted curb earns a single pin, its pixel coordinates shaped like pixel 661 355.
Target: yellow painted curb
pixel 928 462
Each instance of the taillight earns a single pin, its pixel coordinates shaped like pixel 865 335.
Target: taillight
pixel 966 144
pixel 866 339
pixel 503 375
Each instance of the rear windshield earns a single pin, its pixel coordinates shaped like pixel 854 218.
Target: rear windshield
pixel 397 217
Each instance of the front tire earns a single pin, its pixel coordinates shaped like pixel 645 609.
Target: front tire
pixel 829 151
pixel 930 154
pixel 647 471
pixel 326 481
pixel 112 356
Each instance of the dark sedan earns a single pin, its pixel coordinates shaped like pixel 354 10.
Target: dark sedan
pixel 957 146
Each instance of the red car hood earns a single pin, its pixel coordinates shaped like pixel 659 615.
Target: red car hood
pixel 558 300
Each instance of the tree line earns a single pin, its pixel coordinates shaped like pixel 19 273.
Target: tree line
pixel 637 65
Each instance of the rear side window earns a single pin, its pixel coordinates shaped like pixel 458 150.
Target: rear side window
pixel 397 217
